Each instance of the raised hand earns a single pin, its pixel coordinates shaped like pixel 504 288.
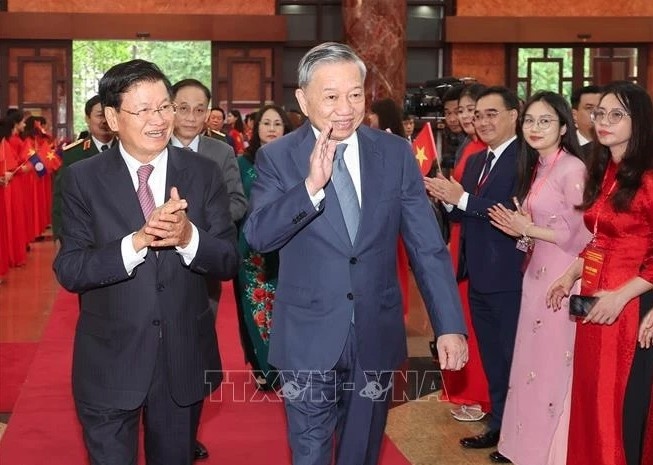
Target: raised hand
pixel 321 162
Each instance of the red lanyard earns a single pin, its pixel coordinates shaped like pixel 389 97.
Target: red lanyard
pixel 605 199
pixel 535 189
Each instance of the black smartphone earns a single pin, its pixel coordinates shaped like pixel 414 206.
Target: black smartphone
pixel 580 305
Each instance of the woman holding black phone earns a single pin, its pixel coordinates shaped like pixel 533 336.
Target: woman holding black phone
pixel 613 373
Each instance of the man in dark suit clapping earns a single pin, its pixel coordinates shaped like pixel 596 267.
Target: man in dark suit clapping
pixel 138 240
pixel 488 256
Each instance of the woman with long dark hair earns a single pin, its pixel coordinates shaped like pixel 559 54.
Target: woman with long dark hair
pixel 257 275
pixel 550 227
pixel 613 374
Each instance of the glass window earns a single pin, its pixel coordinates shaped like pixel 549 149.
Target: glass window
pixel 291 57
pixel 92 58
pixel 332 28
pixel 422 65
pixel 301 21
pixel 424 23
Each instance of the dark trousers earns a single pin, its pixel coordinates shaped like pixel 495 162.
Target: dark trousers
pixel 638 396
pixel 342 411
pixel 111 435
pixel 494 317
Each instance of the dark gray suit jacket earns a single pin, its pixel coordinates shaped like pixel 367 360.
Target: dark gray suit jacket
pixel 223 154
pixel 125 320
pixel 322 276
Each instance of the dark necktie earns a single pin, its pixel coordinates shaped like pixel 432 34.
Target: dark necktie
pixel 486 169
pixel 346 192
pixel 104 147
pixel 144 192
pixel 189 149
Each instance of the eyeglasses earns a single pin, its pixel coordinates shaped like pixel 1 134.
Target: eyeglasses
pixel 185 110
pixel 490 115
pixel 542 123
pixel 614 116
pixel 164 111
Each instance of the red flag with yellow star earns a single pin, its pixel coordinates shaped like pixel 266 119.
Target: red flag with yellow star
pixel 46 152
pixel 424 148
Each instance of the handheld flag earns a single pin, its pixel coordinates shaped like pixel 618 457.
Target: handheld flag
pixel 425 150
pixel 47 154
pixel 39 167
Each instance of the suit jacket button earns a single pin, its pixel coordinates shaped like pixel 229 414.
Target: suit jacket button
pixel 353 260
pixel 350 296
pixel 160 287
pixel 156 322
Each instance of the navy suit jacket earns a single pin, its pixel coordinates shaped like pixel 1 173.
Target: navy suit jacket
pixel 492 262
pixel 125 320
pixel 323 277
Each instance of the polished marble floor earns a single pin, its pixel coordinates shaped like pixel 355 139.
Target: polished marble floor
pixel 423 429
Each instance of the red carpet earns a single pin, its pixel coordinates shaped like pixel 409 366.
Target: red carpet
pixel 239 426
pixel 15 359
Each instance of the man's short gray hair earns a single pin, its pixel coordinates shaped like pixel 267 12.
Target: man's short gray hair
pixel 328 52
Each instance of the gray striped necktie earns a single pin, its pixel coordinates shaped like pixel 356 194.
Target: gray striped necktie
pixel 144 193
pixel 346 192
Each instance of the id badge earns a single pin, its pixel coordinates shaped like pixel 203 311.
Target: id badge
pixel 592 266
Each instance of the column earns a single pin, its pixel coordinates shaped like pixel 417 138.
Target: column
pixel 376 30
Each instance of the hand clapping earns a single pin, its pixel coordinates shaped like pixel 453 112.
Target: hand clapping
pixel 167 226
pixel 510 222
pixel 443 189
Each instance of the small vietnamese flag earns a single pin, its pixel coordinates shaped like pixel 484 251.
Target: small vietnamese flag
pixel 424 149
pixel 48 155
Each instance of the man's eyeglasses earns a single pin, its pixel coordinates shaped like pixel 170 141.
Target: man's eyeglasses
pixel 614 116
pixel 542 123
pixel 490 115
pixel 185 110
pixel 164 111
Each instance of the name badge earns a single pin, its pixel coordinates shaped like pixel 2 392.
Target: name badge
pixel 592 266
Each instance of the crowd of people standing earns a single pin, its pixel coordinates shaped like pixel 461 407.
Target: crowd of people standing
pixel 546 200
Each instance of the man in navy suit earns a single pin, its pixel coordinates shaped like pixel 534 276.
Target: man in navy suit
pixel 488 256
pixel 143 225
pixel 338 330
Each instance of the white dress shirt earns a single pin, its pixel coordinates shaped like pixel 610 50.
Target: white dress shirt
pixel 462 202
pixel 194 144
pixel 157 183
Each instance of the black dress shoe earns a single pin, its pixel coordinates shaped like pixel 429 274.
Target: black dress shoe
pixel 200 451
pixel 498 457
pixel 482 441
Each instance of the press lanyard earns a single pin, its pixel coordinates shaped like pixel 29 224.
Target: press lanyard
pixel 602 204
pixel 532 193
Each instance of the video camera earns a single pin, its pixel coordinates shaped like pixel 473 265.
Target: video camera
pixel 426 101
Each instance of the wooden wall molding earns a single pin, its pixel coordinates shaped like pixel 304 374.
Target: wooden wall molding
pixel 87 26
pixel 595 29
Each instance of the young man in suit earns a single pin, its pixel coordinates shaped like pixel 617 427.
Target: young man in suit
pixel 138 241
pixel 192 99
pixel 338 322
pixel 100 138
pixel 488 256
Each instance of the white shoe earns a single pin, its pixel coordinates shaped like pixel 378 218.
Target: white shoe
pixel 468 413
